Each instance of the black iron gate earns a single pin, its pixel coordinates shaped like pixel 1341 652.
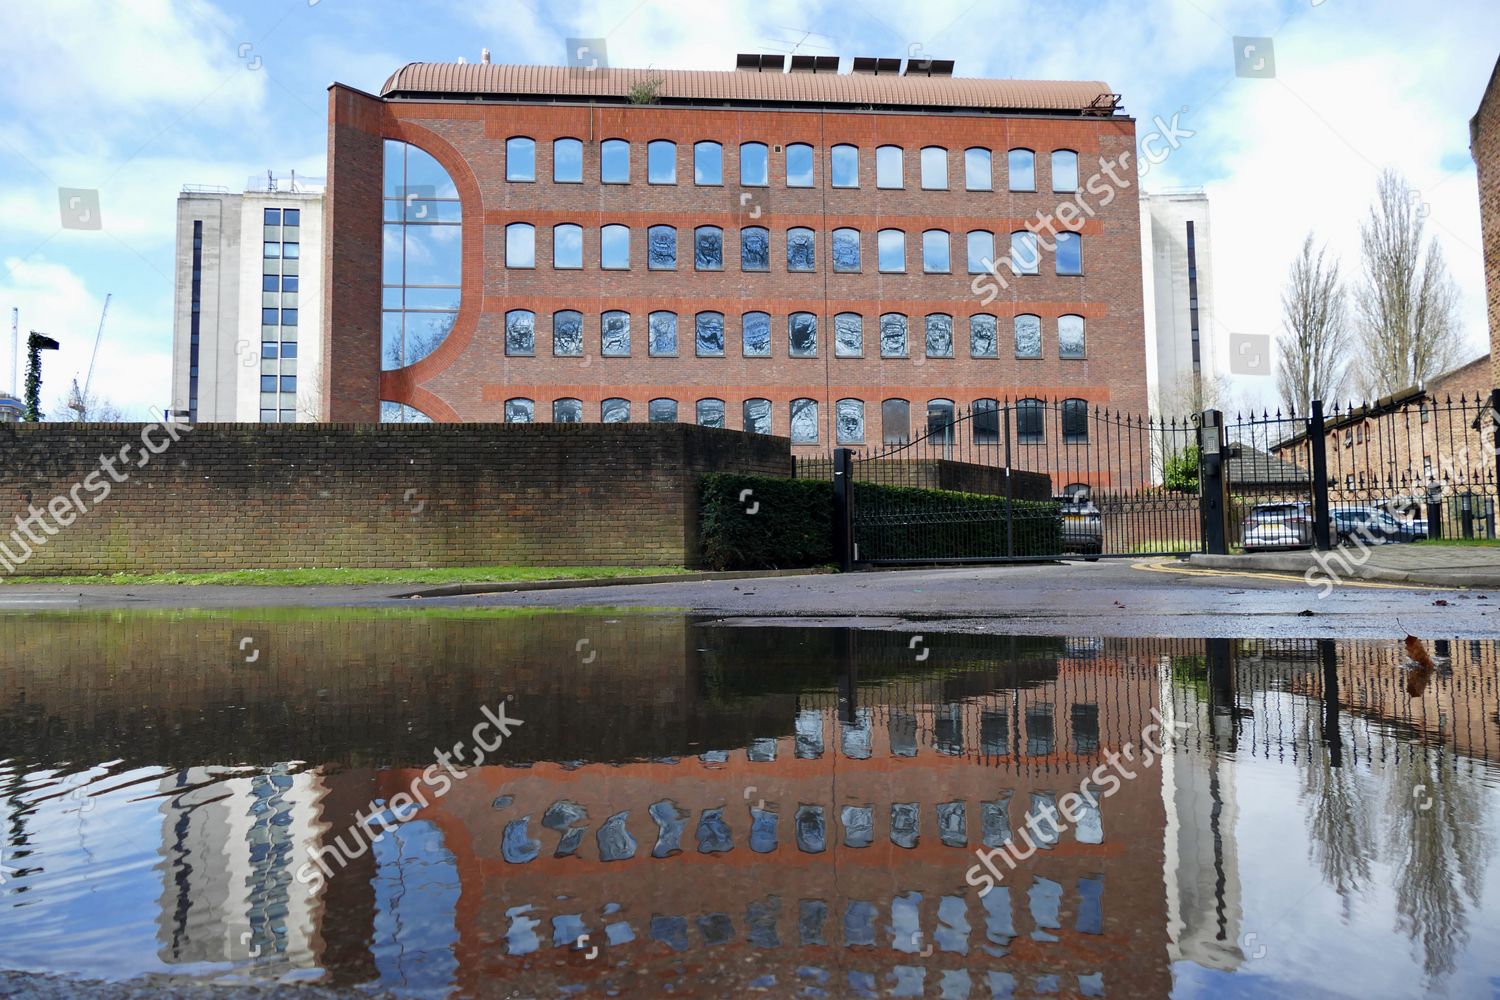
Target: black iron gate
pixel 1019 480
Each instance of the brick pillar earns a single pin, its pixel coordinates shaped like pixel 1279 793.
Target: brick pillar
pixel 1484 145
pixel 351 250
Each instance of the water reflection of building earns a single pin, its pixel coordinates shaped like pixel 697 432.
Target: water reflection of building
pixel 231 847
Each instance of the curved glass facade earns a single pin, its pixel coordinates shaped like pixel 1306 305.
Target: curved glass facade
pixel 421 263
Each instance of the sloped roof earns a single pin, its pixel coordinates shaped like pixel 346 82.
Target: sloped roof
pixel 1255 467
pixel 493 79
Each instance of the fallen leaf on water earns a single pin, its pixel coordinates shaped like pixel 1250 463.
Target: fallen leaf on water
pixel 1440 603
pixel 1421 673
pixel 1306 613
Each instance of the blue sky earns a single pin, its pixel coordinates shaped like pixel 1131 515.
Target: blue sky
pixel 135 99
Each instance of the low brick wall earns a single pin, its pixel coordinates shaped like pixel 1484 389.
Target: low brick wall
pixel 938 474
pixel 230 496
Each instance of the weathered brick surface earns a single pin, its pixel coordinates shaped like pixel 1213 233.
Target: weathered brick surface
pixel 232 496
pixel 1484 133
pixel 469 377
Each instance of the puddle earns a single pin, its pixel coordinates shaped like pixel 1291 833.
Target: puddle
pixel 670 807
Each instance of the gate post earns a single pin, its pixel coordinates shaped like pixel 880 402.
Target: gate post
pixel 1213 506
pixel 1317 440
pixel 843 508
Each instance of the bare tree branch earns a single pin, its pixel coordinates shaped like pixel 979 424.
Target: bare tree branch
pixel 1315 331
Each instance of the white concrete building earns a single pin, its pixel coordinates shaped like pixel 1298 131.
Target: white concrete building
pixel 248 317
pixel 1183 356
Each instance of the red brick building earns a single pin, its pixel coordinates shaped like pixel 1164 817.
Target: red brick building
pixel 829 256
pixel 1484 145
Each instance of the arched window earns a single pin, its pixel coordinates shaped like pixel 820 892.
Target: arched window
pixel 846 250
pixel 520 245
pixel 1075 421
pixel 802 335
pixel 520 333
pixel 848 335
pixel 662 411
pixel 890 246
pixel 981 251
pixel 935 252
pixel 1064 170
pixel 663 329
pixel 804 421
pixel 939 335
pixel 893 335
pixel 940 416
pixel 895 421
pixel 567 161
pixel 567 246
pixel 986 420
pixel 755 249
pixel 567 411
pixel 520 158
pixel 799 165
pixel 1025 258
pixel 888 167
pixel 843 166
pixel 614 334
pixel 1028 336
pixel 801 250
pixel 661 248
pixel 615 411
pixel 519 411
pixel 708 248
pixel 614 247
pixel 708 164
pixel 934 168
pixel 978 175
pixel 983 336
pixel 757 415
pixel 422 261
pixel 849 421
pixel 755 334
pixel 614 161
pixel 710 412
pixel 567 333
pixel 1070 344
pixel 661 162
pixel 754 166
pixel 708 334
pixel 1022 170
pixel 1069 253
pixel 1030 421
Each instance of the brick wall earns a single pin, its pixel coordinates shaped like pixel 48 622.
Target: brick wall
pixel 231 496
pixel 1484 132
pixel 470 376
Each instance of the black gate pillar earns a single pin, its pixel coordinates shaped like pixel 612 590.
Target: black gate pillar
pixel 1317 441
pixel 843 508
pixel 1213 494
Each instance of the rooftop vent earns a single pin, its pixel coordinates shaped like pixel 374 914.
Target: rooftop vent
pixel 815 64
pixel 877 67
pixel 928 67
pixel 760 62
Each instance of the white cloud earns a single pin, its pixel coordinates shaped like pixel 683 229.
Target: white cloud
pixel 133 369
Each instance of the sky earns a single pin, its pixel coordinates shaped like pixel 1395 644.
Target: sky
pixel 134 99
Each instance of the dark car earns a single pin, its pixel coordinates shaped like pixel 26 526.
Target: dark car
pixel 1082 525
pixel 1374 527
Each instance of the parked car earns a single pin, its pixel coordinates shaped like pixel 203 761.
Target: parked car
pixel 1082 525
pixel 1278 526
pixel 1374 526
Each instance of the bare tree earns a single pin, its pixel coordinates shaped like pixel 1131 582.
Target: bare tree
pixel 75 407
pixel 1315 331
pixel 1407 303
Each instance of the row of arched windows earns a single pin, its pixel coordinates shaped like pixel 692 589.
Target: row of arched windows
pixel 710 338
pixel 845 168
pixel 802 421
pixel 800 243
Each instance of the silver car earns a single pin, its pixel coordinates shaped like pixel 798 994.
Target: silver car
pixel 1278 526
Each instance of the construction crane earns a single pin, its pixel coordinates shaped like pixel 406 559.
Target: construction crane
pixel 78 401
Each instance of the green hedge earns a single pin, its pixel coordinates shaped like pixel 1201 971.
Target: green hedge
pixel 791 525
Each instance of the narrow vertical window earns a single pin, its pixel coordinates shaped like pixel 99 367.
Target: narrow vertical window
pixel 663 329
pixel 520 245
pixel 1028 336
pixel 614 161
pixel 661 248
pixel 567 161
pixel 1064 170
pixel 708 248
pixel 893 335
pixel 661 162
pixel 849 421
pixel 888 167
pixel 520 333
pixel 848 335
pixel 520 159
pixel 754 166
pixel 978 175
pixel 934 168
pixel 843 166
pixel 1070 344
pixel 708 163
pixel 799 165
pixel 804 421
pixel 1021 166
pixel 801 250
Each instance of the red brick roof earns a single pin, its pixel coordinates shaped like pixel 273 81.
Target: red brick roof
pixel 457 79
